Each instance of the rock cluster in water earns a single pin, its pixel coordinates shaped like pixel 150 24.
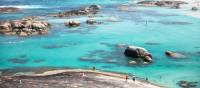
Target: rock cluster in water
pixel 9 10
pixel 165 3
pixel 75 23
pixel 24 27
pixel 92 9
pixel 138 52
pixel 186 84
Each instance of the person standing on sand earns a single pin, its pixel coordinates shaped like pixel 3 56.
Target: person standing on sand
pixel 126 78
pixel 146 79
pixel 133 78
pixel 94 68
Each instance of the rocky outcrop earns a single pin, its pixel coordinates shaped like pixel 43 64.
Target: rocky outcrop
pixel 174 54
pixel 186 84
pixel 23 27
pixel 138 52
pixel 194 8
pixel 72 23
pixel 92 9
pixel 9 10
pixel 165 3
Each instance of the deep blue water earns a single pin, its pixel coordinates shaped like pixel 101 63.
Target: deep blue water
pixel 167 29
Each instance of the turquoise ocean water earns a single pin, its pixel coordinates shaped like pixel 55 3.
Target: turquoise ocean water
pixel 167 29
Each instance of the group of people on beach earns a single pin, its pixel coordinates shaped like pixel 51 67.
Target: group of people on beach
pixel 127 77
pixel 82 74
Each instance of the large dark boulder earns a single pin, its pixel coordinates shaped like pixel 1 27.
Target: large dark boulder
pixel 132 52
pixel 138 52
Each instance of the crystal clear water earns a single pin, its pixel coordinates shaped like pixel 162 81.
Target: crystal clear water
pixel 167 29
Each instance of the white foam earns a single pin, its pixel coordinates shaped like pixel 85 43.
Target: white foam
pixel 25 6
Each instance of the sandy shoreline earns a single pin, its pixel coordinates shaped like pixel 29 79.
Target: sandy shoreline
pixel 98 78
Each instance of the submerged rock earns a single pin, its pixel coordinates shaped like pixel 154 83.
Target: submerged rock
pixel 174 54
pixel 174 22
pixel 87 59
pixel 19 60
pixel 23 27
pixel 9 10
pixel 138 52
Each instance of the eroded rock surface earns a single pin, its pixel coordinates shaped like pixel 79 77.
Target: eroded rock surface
pixel 92 9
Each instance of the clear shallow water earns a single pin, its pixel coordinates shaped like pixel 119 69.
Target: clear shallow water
pixel 63 46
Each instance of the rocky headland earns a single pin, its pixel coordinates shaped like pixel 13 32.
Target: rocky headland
pixel 9 10
pixel 24 27
pixel 164 3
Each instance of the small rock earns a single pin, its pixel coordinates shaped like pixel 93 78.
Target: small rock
pixel 72 23
pixel 174 54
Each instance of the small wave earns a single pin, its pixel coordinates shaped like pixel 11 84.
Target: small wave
pixel 25 6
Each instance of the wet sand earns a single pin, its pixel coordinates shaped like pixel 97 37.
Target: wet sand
pixel 72 78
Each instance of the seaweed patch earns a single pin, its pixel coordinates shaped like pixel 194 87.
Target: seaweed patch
pixel 54 46
pixel 18 60
pixel 174 22
pixel 152 43
pixel 38 60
